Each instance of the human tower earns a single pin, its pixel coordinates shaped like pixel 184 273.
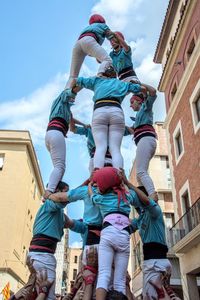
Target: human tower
pixel 107 194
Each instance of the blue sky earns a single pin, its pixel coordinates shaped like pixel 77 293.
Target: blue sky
pixel 37 39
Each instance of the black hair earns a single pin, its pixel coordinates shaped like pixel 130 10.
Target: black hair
pixel 110 72
pixel 61 185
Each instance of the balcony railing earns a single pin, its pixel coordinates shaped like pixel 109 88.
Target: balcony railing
pixel 185 224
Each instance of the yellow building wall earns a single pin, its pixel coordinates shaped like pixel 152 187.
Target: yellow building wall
pixel 19 201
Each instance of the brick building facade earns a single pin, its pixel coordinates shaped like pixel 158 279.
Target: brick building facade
pixel 178 50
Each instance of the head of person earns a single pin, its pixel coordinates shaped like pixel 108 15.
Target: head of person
pixel 136 102
pixel 109 72
pixel 106 179
pixel 96 19
pixel 62 187
pixel 115 42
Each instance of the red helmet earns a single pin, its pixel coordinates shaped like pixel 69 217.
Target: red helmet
pixel 96 19
pixel 120 34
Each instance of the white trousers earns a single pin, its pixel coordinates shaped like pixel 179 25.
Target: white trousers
pixel 146 148
pixel 55 143
pixel 45 261
pixel 108 127
pixel 153 272
pixel 83 47
pixel 114 248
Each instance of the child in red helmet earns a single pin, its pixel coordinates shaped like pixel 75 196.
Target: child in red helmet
pixel 89 43
pixel 122 58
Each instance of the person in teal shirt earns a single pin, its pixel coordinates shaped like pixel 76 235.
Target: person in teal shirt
pixel 114 201
pixel 108 124
pixel 89 43
pixel 122 58
pixel 47 232
pixel 145 137
pixel 92 218
pixel 151 227
pixel 57 128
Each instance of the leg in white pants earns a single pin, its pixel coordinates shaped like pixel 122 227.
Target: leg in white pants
pixel 45 261
pixel 116 133
pixel 108 129
pixel 92 48
pixel 55 143
pixel 87 46
pixel 114 245
pixel 146 148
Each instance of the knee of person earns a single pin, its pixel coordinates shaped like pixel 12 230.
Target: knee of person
pixel 140 173
pixel 61 166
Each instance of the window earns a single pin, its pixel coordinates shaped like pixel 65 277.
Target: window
pixel 74 273
pixel 2 156
pixel 169 220
pixel 195 107
pixel 178 142
pixel 179 145
pixel 190 49
pixel 186 220
pixel 75 259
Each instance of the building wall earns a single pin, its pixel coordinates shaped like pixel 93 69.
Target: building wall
pixel 182 71
pixel 21 188
pixel 61 266
pixel 74 265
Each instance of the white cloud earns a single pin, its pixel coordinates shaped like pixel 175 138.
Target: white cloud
pixel 117 12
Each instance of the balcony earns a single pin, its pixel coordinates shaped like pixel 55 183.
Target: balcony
pixel 186 232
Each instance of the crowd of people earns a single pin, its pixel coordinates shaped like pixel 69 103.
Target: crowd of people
pixel 108 196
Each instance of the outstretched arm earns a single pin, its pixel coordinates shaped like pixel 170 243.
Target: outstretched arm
pixel 59 197
pixel 150 89
pixel 143 198
pixel 122 42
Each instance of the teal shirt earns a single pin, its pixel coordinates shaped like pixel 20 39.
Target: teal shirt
pixel 150 224
pixel 99 29
pixel 121 59
pixel 61 106
pixel 108 202
pixel 91 214
pixel 145 114
pixel 50 220
pixel 82 228
pixel 104 88
pixel 90 140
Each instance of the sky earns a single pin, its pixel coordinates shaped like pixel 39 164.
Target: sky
pixel 37 38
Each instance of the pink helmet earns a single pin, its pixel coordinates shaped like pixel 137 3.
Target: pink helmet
pixel 120 34
pixel 96 19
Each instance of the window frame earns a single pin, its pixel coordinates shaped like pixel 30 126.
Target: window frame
pixel 193 99
pixel 178 130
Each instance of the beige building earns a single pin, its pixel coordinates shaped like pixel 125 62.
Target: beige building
pixel 160 173
pixel 61 267
pixel 74 256
pixel 21 188
pixel 178 51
